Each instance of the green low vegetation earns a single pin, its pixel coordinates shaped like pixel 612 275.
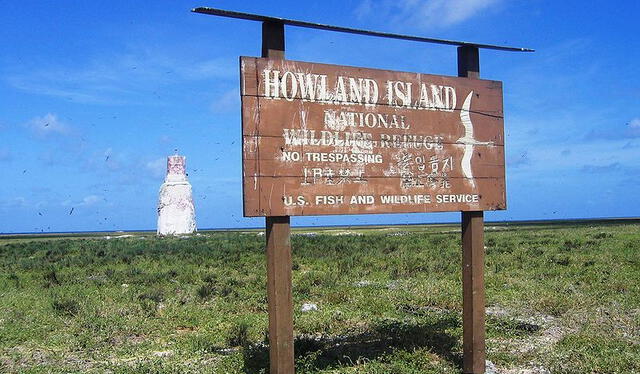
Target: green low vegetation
pixel 560 299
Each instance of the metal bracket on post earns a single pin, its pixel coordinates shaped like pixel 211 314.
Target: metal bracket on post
pixel 473 300
pixel 278 235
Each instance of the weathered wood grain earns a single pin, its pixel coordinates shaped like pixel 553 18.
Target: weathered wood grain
pixel 343 142
pixel 473 299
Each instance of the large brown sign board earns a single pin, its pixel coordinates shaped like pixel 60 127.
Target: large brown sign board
pixel 325 139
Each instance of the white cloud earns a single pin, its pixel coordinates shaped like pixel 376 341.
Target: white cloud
pixel 551 160
pixel 106 160
pixel 165 139
pixel 5 155
pixel 425 14
pixel 157 167
pixel 90 200
pixel 120 78
pixel 227 102
pixel 123 167
pixel 630 131
pixel 516 161
pixel 633 128
pixel 17 202
pixel 450 12
pixel 113 161
pixel 86 201
pixel 51 88
pixel 602 169
pixel 48 125
pixel 214 68
pixel 364 9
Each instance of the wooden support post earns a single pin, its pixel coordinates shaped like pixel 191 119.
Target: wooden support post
pixel 272 39
pixel 278 237
pixel 279 295
pixel 473 301
pixel 473 293
pixel 469 62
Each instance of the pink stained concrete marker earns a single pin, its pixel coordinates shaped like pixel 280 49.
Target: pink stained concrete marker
pixel 176 211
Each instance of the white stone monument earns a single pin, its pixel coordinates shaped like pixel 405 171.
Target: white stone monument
pixel 176 213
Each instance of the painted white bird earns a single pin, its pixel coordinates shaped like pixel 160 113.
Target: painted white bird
pixel 468 140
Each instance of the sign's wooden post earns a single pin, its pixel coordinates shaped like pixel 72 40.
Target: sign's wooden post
pixel 278 237
pixel 473 302
pixel 279 295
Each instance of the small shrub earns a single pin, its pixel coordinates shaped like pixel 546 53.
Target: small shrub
pixel 239 335
pixel 15 279
pixel 156 295
pixel 561 260
pixel 210 278
pixel 228 290
pixel 206 290
pixel 109 273
pixel 570 245
pixel 513 327
pixel 51 278
pixel 203 343
pixel 149 307
pixel 65 307
pixel 390 249
pixel 602 235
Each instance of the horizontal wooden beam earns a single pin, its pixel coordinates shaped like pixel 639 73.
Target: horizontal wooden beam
pixel 349 30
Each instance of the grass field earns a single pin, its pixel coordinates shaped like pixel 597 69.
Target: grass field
pixel 561 299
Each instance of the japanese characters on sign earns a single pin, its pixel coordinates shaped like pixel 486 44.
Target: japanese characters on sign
pixel 325 139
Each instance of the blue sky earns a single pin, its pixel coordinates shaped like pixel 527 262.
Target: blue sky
pixel 95 95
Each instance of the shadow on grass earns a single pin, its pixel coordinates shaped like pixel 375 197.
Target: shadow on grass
pixel 345 351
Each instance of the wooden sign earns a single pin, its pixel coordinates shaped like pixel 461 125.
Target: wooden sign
pixel 325 139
